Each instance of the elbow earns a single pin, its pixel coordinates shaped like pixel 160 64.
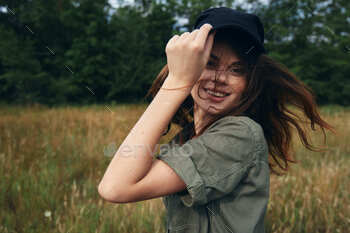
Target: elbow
pixel 108 193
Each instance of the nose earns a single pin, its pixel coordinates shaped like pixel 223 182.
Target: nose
pixel 219 76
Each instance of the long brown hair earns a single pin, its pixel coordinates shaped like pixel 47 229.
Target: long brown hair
pixel 273 96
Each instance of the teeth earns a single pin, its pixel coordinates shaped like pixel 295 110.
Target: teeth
pixel 219 94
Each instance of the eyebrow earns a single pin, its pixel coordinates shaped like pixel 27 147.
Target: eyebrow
pixel 217 58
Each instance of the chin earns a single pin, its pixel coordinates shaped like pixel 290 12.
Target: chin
pixel 213 109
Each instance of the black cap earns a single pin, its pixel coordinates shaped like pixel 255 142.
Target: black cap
pixel 247 27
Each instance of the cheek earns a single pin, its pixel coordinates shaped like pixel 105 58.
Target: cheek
pixel 239 86
pixel 200 81
pixel 205 75
pixel 194 90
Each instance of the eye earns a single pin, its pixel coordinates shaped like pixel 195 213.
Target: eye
pixel 237 70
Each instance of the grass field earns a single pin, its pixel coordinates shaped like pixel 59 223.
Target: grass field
pixel 51 161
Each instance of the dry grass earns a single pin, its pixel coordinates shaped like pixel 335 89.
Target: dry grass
pixel 52 160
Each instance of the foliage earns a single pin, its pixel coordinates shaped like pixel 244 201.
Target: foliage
pixel 84 51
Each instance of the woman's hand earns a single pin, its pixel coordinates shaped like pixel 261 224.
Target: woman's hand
pixel 188 54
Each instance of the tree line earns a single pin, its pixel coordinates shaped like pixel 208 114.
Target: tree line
pixel 56 52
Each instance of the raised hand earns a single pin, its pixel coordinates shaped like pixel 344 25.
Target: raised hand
pixel 188 54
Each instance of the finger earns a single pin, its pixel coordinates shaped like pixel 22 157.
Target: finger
pixel 185 35
pixel 171 41
pixel 193 34
pixel 209 45
pixel 203 34
pixel 174 38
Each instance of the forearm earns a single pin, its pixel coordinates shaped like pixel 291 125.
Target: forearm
pixel 133 159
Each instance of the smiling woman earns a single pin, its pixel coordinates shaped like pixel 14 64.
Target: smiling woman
pixel 222 81
pixel 232 101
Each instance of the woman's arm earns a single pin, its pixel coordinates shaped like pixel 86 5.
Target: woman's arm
pixel 187 56
pixel 133 159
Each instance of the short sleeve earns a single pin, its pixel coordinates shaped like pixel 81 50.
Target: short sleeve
pixel 213 164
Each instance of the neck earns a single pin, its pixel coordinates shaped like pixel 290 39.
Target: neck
pixel 200 118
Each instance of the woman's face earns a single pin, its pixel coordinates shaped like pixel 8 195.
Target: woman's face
pixel 224 70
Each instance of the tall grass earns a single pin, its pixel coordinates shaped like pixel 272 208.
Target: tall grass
pixel 52 160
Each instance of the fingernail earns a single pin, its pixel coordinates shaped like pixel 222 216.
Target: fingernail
pixel 207 24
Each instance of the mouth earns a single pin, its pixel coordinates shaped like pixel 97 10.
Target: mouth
pixel 216 96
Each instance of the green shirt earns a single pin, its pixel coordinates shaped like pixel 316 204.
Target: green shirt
pixel 227 179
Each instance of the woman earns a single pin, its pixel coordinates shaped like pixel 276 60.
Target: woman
pixel 232 101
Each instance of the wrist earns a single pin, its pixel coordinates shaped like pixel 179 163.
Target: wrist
pixel 171 82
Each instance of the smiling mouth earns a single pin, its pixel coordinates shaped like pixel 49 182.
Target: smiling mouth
pixel 215 93
pixel 216 96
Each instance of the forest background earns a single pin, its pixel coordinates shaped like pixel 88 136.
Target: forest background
pixel 78 52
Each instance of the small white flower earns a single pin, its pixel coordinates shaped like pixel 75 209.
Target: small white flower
pixel 47 213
